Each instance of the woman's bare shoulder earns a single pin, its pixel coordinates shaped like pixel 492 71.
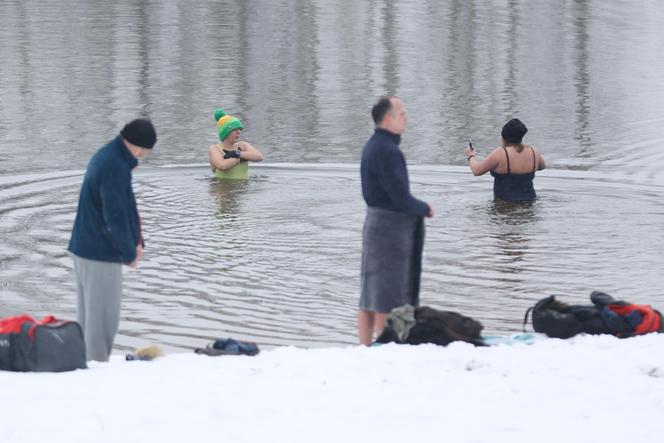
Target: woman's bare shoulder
pixel 496 151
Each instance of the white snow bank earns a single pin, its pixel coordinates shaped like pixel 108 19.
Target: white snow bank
pixel 586 389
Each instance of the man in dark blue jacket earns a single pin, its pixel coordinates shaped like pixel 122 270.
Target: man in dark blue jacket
pixel 393 234
pixel 107 234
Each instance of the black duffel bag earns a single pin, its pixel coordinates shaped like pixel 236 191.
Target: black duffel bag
pixel 49 345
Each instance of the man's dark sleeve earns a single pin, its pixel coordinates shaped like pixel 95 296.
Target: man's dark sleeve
pixel 115 193
pixel 393 177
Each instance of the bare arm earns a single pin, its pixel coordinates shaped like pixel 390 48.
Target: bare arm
pixel 541 164
pixel 488 164
pixel 248 152
pixel 217 160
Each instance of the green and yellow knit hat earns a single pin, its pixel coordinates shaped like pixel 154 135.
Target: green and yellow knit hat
pixel 226 123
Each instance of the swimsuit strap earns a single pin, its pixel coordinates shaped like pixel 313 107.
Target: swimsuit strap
pixel 508 160
pixel 534 160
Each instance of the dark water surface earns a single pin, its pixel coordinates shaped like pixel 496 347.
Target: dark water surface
pixel 276 259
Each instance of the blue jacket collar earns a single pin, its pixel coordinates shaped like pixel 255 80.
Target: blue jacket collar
pixel 125 153
pixel 395 137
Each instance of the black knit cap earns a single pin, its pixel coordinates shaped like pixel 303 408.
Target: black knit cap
pixel 513 131
pixel 140 132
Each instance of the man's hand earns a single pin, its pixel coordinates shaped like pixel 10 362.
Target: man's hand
pixel 235 153
pixel 429 214
pixel 139 255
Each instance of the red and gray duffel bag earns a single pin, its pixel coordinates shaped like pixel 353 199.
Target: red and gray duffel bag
pixel 48 345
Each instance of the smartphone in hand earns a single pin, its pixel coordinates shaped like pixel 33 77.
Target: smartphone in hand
pixel 470 144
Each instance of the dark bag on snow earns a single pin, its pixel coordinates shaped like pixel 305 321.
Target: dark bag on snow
pixel 605 316
pixel 408 325
pixel 49 345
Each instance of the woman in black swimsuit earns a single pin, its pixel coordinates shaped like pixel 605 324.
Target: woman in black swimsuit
pixel 512 165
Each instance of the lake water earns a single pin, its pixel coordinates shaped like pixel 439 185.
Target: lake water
pixel 276 259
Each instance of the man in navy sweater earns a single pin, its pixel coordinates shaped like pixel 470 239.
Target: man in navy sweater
pixel 393 233
pixel 107 234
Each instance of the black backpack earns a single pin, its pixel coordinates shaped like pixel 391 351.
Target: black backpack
pixel 560 320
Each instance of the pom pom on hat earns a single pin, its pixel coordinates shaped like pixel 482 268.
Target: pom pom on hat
pixel 226 123
pixel 218 113
pixel 513 131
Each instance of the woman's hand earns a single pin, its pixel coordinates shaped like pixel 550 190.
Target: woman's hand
pixel 249 153
pixel 231 154
pixel 469 151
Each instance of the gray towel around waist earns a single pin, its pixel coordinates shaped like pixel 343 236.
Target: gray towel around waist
pixel 392 245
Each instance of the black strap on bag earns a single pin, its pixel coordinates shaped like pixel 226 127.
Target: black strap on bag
pixel 525 319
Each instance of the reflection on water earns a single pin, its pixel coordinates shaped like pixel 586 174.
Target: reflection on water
pixel 512 213
pixel 227 193
pixel 302 75
pixel 514 222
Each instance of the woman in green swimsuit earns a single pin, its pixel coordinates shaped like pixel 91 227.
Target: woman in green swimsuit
pixel 229 158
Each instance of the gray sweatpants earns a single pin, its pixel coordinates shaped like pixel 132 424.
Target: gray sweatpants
pixel 99 287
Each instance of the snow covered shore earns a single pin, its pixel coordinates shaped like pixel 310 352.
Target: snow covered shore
pixel 586 389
